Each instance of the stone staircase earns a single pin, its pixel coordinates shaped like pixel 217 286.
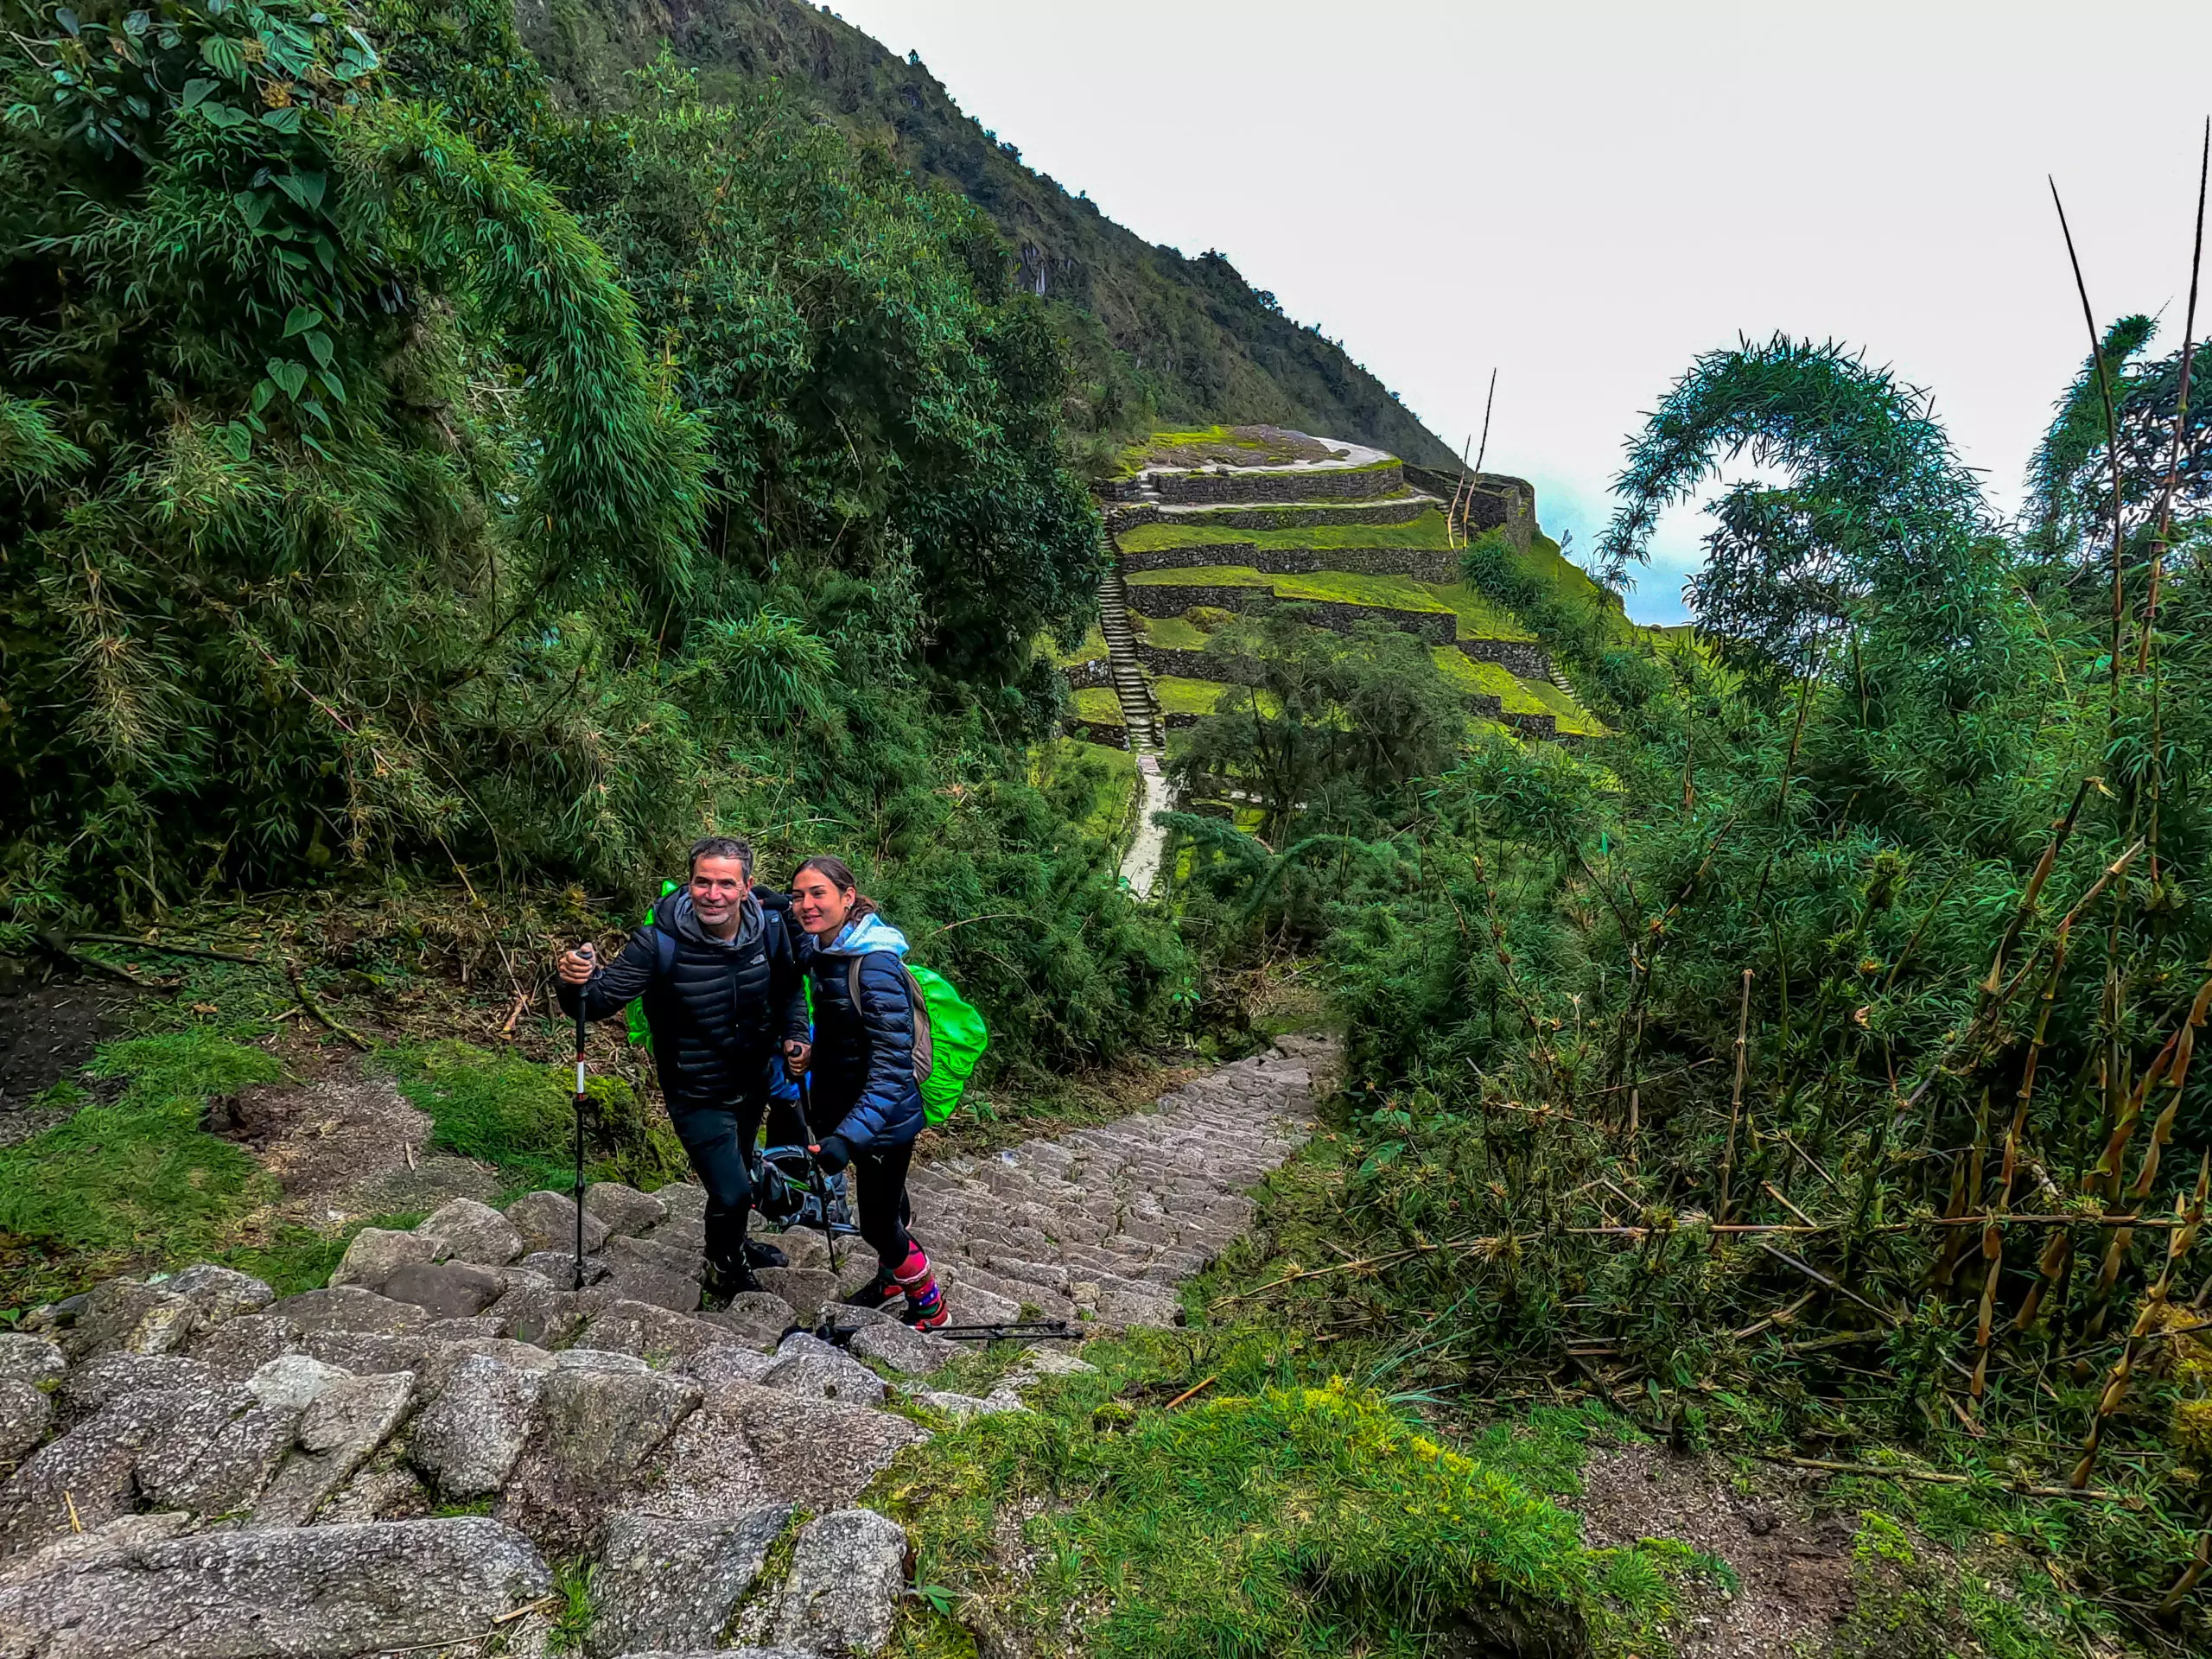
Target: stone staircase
pixel 1139 710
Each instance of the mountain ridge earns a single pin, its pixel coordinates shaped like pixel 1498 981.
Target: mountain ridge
pixel 1153 337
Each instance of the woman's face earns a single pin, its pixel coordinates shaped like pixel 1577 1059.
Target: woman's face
pixel 819 903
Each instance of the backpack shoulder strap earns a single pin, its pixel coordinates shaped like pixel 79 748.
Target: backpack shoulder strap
pixel 925 1052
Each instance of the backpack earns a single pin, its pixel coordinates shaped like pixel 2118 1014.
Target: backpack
pixel 949 1036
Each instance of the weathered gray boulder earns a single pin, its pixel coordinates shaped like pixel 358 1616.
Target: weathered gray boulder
pixel 547 1221
pixel 462 1230
pixel 84 1478
pixel 377 1253
pixel 729 1364
pixel 624 1209
pixel 123 1315
pixel 218 1295
pixel 448 1290
pixel 243 1344
pixel 363 1352
pixel 623 1254
pixel 749 1445
pixel 636 1282
pixel 547 1318
pixel 26 1416
pixel 629 1327
pixel 386 1488
pixel 964 1406
pixel 214 1452
pixel 973 1305
pixel 444 1358
pixel 686 1200
pixel 308 1593
pixel 349 1307
pixel 29 1359
pixel 674 1584
pixel 905 1350
pixel 596 1431
pixel 757 1317
pixel 846 1578
pixel 558 1268
pixel 337 1434
pixel 293 1381
pixel 474 1327
pixel 113 1376
pixel 596 1359
pixel 805 1288
pixel 465 1442
pixel 807 1364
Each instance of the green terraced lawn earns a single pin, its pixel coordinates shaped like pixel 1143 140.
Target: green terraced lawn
pixel 1426 533
pixel 1091 650
pixel 1169 633
pixel 1098 703
pixel 1479 618
pixel 1181 696
pixel 1572 716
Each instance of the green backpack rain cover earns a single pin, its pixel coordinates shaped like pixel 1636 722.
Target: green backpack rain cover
pixel 949 1036
pixel 641 1034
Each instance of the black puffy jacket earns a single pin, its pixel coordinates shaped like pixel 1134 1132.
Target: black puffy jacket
pixel 718 1009
pixel 863 1072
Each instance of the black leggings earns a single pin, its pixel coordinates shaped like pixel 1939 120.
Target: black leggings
pixel 719 1140
pixel 879 1200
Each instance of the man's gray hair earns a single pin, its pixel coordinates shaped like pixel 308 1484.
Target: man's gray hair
pixel 723 846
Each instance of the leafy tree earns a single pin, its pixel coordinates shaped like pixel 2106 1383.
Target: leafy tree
pixel 1321 726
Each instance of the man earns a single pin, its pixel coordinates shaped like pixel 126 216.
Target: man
pixel 719 976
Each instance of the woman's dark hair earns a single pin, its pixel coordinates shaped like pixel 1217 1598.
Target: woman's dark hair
pixel 841 877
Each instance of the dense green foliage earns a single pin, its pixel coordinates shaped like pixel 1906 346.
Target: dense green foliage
pixel 1903 827
pixel 403 475
pixel 1150 335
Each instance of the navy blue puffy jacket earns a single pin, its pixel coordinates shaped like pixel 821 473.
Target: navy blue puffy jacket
pixel 863 1070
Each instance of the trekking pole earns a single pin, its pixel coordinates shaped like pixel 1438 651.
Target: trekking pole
pixel 583 992
pixel 820 1181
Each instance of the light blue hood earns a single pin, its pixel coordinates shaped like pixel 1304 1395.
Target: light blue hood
pixel 866 937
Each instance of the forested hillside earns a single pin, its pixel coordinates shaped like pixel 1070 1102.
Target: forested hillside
pixel 1156 338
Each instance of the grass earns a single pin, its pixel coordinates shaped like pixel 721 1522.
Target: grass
pixel 1098 704
pixel 1169 633
pixel 1427 533
pixel 519 1116
pixel 1279 1512
pixel 1479 618
pixel 1181 696
pixel 1091 649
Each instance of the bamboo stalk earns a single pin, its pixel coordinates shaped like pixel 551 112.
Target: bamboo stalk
pixel 1735 1100
pixel 2190 1211
pixel 2181 418
pixel 2112 453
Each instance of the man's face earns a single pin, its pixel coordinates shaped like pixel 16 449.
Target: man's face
pixel 718 887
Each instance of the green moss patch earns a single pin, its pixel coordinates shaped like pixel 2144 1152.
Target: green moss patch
pixel 1265 1517
pixel 519 1117
pixel 1091 649
pixel 1099 705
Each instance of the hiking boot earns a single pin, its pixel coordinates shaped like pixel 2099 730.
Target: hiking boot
pixel 916 1282
pixel 723 1283
pixel 758 1255
pixel 879 1292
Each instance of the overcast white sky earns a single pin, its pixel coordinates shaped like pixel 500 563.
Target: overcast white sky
pixel 1585 194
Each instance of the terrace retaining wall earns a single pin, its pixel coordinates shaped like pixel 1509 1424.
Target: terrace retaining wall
pixel 1315 483
pixel 1282 516
pixel 1172 599
pixel 1420 563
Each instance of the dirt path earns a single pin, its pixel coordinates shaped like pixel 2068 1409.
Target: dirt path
pixel 1141 868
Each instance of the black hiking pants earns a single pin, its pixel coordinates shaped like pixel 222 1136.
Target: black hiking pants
pixel 879 1200
pixel 720 1141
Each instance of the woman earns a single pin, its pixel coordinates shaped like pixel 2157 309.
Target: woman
pixel 866 1107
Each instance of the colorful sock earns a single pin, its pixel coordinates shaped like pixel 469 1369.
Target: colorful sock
pixel 924 1299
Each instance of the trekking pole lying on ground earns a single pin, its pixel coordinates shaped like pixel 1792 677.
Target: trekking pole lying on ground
pixel 585 951
pixel 1005 1331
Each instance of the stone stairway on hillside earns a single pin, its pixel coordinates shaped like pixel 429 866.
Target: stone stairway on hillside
pixel 1139 711
pixel 203 1470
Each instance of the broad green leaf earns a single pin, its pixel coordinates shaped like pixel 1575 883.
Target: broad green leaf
pixel 292 377
pixel 68 19
pixel 136 24
pixel 220 53
pixel 319 346
pixel 263 392
pixel 1384 1154
pixel 303 317
pixel 336 385
pixel 196 90
pixel 284 120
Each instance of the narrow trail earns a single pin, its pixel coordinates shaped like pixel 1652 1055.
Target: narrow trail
pixel 201 1469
